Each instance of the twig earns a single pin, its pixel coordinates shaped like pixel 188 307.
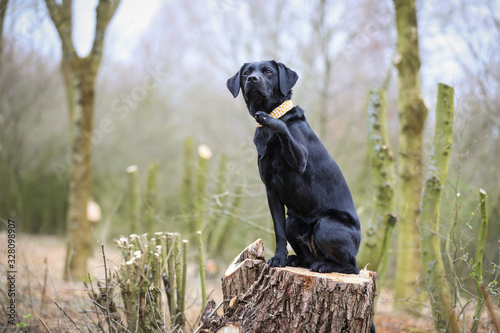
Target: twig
pixel 93 296
pixel 210 315
pixel 215 310
pixel 44 325
pixel 71 319
pixel 108 319
pixel 91 320
pixel 452 318
pixel 201 258
pixel 120 325
pixel 110 216
pixel 170 282
pixel 181 285
pixel 42 307
pixel 57 295
pixel 489 306
pixel 248 222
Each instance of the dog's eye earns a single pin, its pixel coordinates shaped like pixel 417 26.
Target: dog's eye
pixel 246 73
pixel 268 71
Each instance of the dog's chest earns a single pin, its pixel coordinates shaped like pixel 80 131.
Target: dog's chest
pixel 270 153
pixel 274 168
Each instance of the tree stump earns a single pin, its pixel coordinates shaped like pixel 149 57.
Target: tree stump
pixel 259 298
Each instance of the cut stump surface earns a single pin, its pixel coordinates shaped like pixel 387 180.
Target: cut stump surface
pixel 259 298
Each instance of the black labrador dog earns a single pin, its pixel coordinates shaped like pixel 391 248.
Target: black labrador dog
pixel 321 224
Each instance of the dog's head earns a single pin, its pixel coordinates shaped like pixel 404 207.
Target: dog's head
pixel 264 84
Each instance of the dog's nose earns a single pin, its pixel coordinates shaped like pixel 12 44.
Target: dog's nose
pixel 253 78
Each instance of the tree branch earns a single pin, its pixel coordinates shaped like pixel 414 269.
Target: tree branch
pixel 3 11
pixel 61 16
pixel 104 12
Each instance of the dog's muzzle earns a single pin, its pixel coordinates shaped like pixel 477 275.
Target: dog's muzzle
pixel 255 88
pixel 253 78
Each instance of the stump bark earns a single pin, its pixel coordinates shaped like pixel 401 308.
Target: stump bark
pixel 260 298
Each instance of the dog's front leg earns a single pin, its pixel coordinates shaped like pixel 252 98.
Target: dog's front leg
pixel 292 141
pixel 278 214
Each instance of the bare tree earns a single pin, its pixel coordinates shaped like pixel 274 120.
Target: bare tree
pixel 79 77
pixel 412 113
pixel 324 31
pixel 432 258
pixel 3 11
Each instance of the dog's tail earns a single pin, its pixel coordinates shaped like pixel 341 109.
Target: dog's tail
pixel 372 329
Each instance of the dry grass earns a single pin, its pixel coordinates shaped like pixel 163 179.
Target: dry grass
pixel 41 292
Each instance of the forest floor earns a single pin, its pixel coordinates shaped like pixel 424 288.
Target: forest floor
pixel 44 299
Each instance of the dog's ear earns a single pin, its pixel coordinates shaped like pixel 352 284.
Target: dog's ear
pixel 287 78
pixel 233 84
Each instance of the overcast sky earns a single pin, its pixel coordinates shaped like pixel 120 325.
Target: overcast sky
pixel 28 22
pixel 441 47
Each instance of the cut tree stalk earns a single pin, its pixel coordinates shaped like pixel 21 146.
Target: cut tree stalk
pixel 181 276
pixel 377 236
pixel 204 155
pixel 432 258
pixel 227 223
pixel 478 265
pixel 134 195
pixel 412 113
pixel 150 201
pixel 259 298
pixel 187 181
pixel 202 261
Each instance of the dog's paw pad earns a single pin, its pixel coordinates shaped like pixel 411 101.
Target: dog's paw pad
pixel 261 117
pixel 294 261
pixel 323 267
pixel 277 261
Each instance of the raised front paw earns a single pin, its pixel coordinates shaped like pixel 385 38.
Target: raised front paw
pixel 279 260
pixel 267 121
pixel 262 118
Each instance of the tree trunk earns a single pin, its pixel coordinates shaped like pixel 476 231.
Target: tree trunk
pixel 79 77
pixel 478 265
pixel 3 12
pixel 80 236
pixel 412 113
pixel 323 32
pixel 258 298
pixel 432 259
pixel 377 236
pixel 325 35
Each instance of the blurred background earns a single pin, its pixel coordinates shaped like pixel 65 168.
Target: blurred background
pixel 162 80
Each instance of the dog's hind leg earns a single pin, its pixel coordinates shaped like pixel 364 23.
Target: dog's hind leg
pixel 337 245
pixel 298 235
